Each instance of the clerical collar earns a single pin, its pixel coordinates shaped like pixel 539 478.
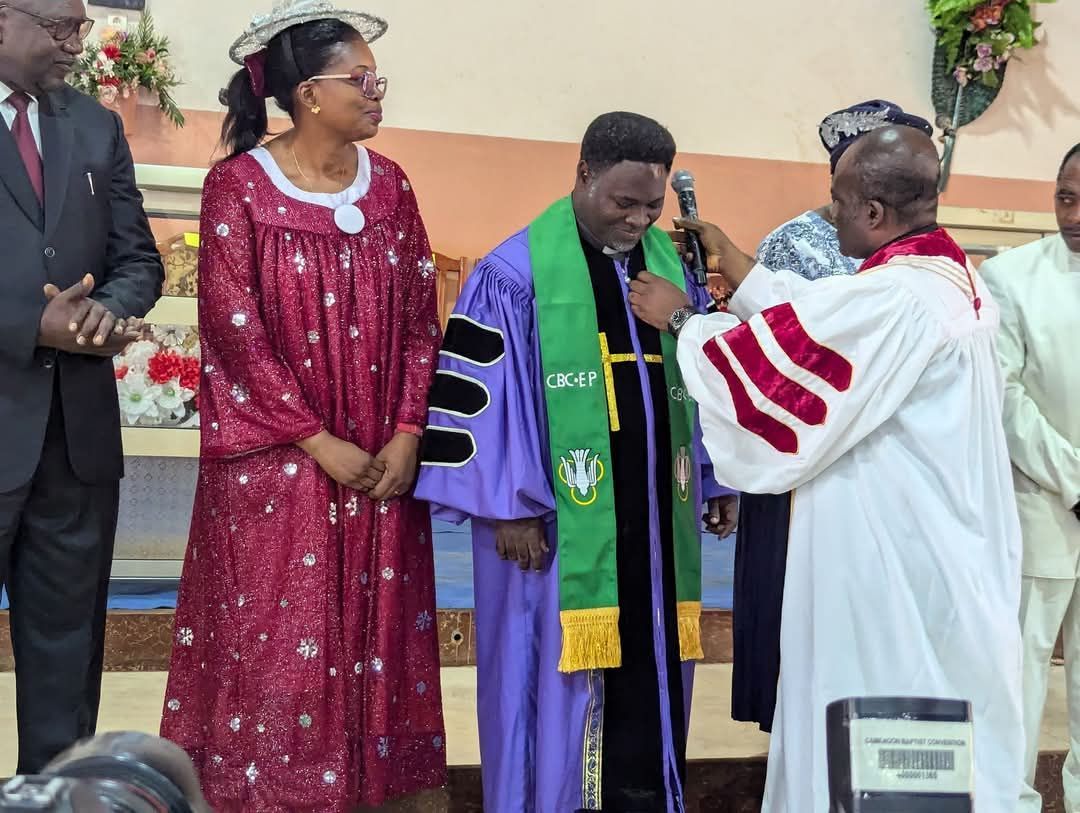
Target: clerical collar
pixel 592 240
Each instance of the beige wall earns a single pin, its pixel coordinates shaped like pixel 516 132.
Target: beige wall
pixel 756 82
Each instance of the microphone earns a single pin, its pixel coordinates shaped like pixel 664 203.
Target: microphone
pixel 683 184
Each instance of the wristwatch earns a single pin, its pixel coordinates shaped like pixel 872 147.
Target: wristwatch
pixel 680 318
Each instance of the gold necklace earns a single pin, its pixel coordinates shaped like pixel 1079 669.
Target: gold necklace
pixel 303 174
pixel 298 168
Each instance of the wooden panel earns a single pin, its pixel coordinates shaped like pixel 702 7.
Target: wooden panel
pixel 451 272
pixel 174 310
pixel 142 441
pixel 990 238
pixel 998 219
pixel 179 205
pixel 177 179
pixel 170 191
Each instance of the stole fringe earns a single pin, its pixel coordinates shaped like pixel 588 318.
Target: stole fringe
pixel 590 639
pixel 690 648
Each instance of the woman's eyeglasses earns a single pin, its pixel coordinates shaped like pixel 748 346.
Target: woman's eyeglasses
pixel 63 28
pixel 372 86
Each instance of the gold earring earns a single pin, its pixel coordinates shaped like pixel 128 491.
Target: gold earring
pixel 316 110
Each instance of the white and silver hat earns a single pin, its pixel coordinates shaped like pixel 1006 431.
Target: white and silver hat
pixel 287 13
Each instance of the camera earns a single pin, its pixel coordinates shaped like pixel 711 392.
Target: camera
pixel 114 773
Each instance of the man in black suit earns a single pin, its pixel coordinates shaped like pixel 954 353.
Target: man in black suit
pixel 78 268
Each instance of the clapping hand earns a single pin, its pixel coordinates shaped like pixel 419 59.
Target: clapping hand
pixel 74 323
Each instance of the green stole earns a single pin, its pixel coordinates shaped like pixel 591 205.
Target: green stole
pixel 578 428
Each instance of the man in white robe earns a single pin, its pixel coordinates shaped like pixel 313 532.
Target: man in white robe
pixel 877 399
pixel 1037 288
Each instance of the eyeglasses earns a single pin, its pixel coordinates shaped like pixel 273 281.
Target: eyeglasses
pixel 61 29
pixel 372 86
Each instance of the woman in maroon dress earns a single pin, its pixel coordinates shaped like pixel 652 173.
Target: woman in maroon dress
pixel 305 668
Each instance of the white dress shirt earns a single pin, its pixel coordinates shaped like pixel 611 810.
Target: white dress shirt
pixel 1037 287
pixel 8 112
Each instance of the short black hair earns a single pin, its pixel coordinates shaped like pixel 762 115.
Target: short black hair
pixel 906 189
pixel 292 57
pixel 1071 154
pixel 616 137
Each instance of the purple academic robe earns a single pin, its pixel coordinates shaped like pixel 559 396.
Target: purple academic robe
pixel 536 724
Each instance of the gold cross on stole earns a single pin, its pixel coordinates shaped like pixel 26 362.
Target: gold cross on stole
pixel 607 358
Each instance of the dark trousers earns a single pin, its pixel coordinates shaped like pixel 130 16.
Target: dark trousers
pixel 760 566
pixel 56 544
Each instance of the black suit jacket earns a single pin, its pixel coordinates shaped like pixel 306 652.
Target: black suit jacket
pixel 102 231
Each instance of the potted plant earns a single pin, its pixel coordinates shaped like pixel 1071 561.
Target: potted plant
pixel 975 41
pixel 118 64
pixel 157 378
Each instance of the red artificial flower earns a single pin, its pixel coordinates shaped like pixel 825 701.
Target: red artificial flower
pixel 988 14
pixel 164 366
pixel 189 375
pixel 120 372
pixel 111 51
pixel 109 81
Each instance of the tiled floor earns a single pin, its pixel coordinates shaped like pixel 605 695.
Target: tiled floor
pixel 132 701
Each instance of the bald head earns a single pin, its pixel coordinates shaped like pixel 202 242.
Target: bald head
pixel 885 185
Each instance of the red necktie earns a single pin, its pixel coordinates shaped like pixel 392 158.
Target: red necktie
pixel 24 140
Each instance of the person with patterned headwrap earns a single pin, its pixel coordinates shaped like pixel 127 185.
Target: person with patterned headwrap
pixel 807 246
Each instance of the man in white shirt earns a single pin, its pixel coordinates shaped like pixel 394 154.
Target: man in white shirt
pixel 877 399
pixel 1037 288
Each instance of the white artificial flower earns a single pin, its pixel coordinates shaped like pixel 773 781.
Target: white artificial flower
pixel 172 397
pixel 138 399
pixel 138 354
pixel 172 336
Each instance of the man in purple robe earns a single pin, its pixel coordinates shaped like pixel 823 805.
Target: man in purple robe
pixel 611 739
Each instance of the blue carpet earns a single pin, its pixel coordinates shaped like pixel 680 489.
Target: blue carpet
pixel 453 576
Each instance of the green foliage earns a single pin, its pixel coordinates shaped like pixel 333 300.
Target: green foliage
pixel 979 36
pixel 118 64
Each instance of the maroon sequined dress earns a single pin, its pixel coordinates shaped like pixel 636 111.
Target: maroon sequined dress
pixel 305 666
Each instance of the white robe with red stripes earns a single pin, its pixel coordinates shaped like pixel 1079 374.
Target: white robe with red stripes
pixel 878 398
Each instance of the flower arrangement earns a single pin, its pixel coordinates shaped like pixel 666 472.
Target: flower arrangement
pixel 118 64
pixel 157 378
pixel 980 36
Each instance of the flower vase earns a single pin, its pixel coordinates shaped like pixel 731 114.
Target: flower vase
pixel 124 102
